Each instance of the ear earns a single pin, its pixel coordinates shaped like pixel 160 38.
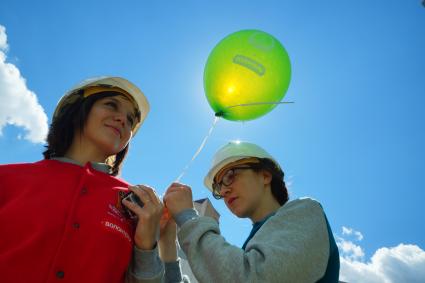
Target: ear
pixel 267 177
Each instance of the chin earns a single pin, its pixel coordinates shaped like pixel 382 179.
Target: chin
pixel 239 214
pixel 112 149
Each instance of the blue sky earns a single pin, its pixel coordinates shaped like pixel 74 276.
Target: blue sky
pixel 354 138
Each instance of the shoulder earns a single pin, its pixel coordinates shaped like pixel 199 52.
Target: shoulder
pixel 305 201
pixel 299 220
pixel 304 211
pixel 16 166
pixel 26 167
pixel 301 204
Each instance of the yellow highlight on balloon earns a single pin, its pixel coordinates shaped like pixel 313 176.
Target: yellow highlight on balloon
pixel 230 89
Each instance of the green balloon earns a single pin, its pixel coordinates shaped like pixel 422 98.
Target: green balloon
pixel 246 75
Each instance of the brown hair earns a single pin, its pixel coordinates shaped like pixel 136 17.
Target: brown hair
pixel 278 186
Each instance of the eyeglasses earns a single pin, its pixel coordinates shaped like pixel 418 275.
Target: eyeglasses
pixel 228 178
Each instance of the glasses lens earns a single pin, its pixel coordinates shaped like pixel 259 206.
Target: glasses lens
pixel 228 177
pixel 216 191
pixel 216 196
pixel 216 187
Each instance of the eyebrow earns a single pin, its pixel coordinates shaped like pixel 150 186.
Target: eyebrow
pixel 132 114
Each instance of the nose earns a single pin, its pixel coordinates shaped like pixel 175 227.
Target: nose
pixel 225 190
pixel 121 118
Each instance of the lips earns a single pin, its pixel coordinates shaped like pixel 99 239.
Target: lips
pixel 116 130
pixel 231 200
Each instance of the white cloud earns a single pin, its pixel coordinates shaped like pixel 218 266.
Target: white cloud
pixel 403 263
pixel 350 231
pixel 349 250
pixel 3 38
pixel 19 105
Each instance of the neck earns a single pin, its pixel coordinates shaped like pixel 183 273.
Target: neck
pixel 266 206
pixel 84 153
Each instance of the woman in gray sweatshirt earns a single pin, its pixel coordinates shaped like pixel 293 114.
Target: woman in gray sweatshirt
pixel 291 241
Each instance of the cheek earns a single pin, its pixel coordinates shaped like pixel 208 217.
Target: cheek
pixel 126 137
pixel 95 120
pixel 253 189
pixel 90 127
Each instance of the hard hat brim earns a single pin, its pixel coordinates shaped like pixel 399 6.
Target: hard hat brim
pixel 209 178
pixel 232 152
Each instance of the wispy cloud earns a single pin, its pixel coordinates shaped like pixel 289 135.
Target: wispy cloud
pixel 349 232
pixel 403 263
pixel 3 38
pixel 19 105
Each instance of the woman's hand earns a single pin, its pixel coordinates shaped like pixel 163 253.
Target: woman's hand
pixel 167 238
pixel 148 222
pixel 178 198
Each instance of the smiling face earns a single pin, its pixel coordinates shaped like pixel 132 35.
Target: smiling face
pixel 107 130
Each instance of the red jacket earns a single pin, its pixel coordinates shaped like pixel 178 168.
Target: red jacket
pixel 60 222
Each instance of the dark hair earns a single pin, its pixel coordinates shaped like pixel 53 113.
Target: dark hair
pixel 73 117
pixel 278 186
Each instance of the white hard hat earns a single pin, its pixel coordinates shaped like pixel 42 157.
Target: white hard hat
pixel 231 152
pixel 113 83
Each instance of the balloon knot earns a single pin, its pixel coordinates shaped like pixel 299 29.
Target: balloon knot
pixel 219 114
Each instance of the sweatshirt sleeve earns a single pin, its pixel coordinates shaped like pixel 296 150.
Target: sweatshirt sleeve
pixel 292 246
pixel 145 266
pixel 173 273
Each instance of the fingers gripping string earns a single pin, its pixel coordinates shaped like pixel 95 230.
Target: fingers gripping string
pixel 198 151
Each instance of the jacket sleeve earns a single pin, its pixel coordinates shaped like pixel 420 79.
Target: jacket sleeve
pixel 292 246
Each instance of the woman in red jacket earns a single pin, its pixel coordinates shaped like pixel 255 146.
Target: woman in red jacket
pixel 64 218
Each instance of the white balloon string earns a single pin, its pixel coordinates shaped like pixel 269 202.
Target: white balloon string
pixel 259 103
pixel 218 115
pixel 199 149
